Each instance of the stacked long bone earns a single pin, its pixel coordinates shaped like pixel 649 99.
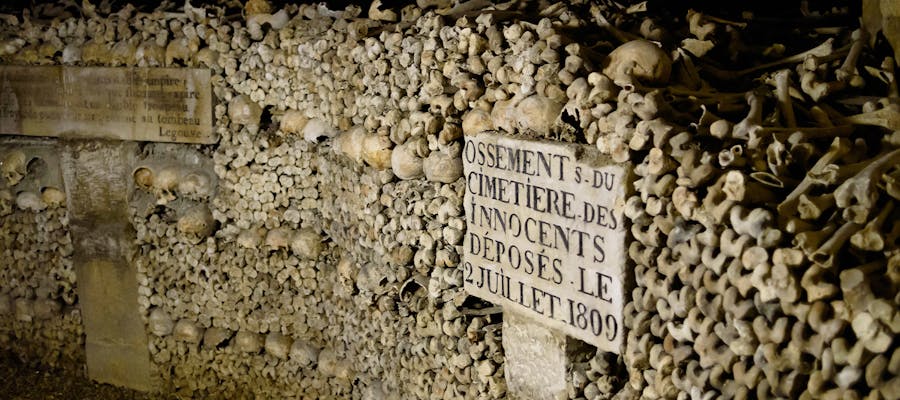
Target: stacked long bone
pixel 765 259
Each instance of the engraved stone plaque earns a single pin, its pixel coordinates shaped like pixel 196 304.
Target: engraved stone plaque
pixel 142 104
pixel 546 233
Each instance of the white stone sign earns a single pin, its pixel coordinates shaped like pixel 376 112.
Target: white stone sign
pixel 546 233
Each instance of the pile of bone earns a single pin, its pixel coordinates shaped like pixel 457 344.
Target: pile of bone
pixel 39 320
pixel 266 179
pixel 394 232
pixel 42 332
pixel 213 356
pixel 739 286
pixel 247 206
pixel 17 187
pixel 230 286
pixel 424 346
pixel 353 89
pixel 37 250
pixel 764 263
pixel 361 213
pixel 238 302
pixel 593 375
pixel 202 284
pixel 350 327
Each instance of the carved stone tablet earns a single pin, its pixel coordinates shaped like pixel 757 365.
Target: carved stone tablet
pixel 143 104
pixel 546 233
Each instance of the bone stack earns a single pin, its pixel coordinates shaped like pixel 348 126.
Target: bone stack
pixel 321 237
pixel 39 316
pixel 300 252
pixel 758 225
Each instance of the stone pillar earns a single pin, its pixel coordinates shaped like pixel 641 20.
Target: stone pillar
pixel 535 366
pixel 97 176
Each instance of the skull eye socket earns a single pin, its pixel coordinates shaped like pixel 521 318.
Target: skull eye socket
pixel 36 167
pixel 6 202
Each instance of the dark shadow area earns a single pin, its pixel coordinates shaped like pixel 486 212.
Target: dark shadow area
pixel 20 381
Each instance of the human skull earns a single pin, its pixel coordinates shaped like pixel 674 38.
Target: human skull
pixel 143 178
pixel 53 197
pixel 242 110
pixel 30 201
pixel 160 322
pixel 12 167
pixel 187 331
pixel 195 186
pixel 347 269
pixel 196 223
pixel 307 244
pixel 278 238
pixel 164 185
pixel 640 59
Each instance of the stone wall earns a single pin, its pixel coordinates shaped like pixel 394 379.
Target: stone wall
pixel 314 251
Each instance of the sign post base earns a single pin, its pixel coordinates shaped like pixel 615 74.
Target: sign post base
pixel 535 366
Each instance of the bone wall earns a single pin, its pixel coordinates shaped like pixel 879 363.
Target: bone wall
pixel 39 317
pixel 314 251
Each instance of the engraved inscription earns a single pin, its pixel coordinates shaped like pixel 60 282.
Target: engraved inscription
pixel 545 234
pixel 144 104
